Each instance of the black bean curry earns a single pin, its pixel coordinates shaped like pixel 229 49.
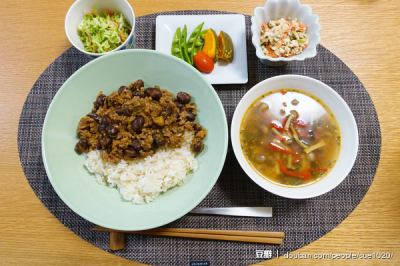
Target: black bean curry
pixel 134 122
pixel 290 137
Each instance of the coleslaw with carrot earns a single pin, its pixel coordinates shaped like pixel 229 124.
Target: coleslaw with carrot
pixel 283 38
pixel 103 32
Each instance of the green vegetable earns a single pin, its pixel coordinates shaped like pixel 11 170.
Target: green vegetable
pixel 192 41
pixel 297 139
pixel 184 45
pixel 198 45
pixel 100 34
pixel 294 181
pixel 176 44
pixel 203 33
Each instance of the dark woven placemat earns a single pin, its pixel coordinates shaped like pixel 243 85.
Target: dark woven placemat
pixel 303 221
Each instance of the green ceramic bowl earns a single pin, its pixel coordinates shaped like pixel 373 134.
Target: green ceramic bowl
pixel 78 188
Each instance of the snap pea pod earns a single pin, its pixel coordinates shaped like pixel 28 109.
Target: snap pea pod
pixel 203 33
pixel 198 45
pixel 176 44
pixel 184 45
pixel 192 40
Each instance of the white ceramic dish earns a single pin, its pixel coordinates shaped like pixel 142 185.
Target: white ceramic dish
pixel 343 114
pixel 277 9
pixel 234 25
pixel 75 16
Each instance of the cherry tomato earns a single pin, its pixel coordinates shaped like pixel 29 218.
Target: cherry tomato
pixel 203 62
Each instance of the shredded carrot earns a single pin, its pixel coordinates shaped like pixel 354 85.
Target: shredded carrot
pixel 108 13
pixel 269 49
pixel 304 47
pixel 265 26
pixel 288 30
pixel 271 55
pixel 122 35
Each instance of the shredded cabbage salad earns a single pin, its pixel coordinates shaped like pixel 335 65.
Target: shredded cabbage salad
pixel 103 33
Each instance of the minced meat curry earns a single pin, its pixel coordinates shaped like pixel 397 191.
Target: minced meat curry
pixel 134 122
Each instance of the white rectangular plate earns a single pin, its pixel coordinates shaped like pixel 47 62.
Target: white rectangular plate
pixel 234 25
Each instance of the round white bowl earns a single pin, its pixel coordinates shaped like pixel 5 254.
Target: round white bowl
pixel 75 16
pixel 275 10
pixel 339 108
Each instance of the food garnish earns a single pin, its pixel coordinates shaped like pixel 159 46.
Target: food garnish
pixel 184 48
pixel 103 33
pixel 282 38
pixel 205 41
pixel 203 62
pixel 192 41
pixel 226 51
pixel 211 45
pixel 176 44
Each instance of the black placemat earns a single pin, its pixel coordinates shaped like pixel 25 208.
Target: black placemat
pixel 303 221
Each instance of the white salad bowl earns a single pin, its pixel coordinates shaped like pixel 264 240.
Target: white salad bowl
pixel 339 108
pixel 76 14
pixel 275 10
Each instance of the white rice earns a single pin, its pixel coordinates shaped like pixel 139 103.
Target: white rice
pixel 142 180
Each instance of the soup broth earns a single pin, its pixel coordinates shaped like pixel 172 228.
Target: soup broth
pixel 290 137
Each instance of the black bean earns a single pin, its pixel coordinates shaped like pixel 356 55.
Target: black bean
pixel 149 91
pixel 102 127
pixel 100 100
pixel 197 127
pixel 121 89
pixel 81 146
pixel 106 120
pixel 197 145
pixel 154 93
pixel 157 94
pixel 112 131
pixel 131 152
pixel 127 111
pixel 159 141
pixel 183 97
pixel 138 85
pixel 106 142
pixel 138 123
pixel 95 117
pixel 137 93
pixel 190 116
pixel 154 146
pixel 178 105
pixel 136 145
pixel 119 111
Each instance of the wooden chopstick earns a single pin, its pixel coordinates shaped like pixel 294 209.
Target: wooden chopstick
pixel 254 239
pixel 203 231
pixel 228 235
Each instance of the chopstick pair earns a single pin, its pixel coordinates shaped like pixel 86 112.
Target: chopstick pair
pixel 117 237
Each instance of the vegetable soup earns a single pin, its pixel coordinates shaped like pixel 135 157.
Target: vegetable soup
pixel 290 137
